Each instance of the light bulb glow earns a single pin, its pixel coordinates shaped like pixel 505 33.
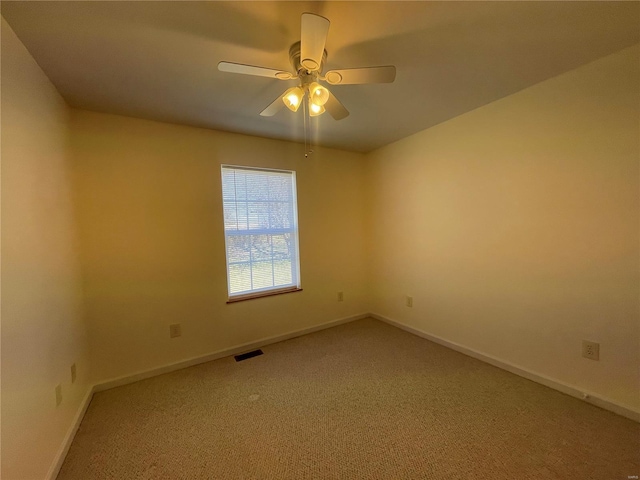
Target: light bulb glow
pixel 315 110
pixel 292 98
pixel 318 94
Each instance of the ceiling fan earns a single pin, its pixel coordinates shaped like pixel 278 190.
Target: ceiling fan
pixel 307 58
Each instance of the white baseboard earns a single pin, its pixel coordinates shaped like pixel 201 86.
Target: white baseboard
pixel 576 392
pixel 68 438
pixel 542 379
pixel 117 382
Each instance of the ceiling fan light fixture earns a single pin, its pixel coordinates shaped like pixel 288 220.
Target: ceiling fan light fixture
pixel 292 98
pixel 307 57
pixel 318 94
pixel 315 109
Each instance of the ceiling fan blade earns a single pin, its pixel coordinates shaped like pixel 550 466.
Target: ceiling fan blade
pixel 252 70
pixel 273 108
pixel 335 108
pixel 313 37
pixel 351 76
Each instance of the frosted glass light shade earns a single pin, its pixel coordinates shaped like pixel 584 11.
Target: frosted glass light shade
pixel 292 98
pixel 315 110
pixel 318 94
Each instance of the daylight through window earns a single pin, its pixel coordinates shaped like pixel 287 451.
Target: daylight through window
pixel 261 231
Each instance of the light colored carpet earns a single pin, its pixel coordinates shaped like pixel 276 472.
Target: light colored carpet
pixel 364 400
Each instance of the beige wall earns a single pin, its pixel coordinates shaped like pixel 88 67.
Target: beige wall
pixel 149 198
pixel 515 228
pixel 42 328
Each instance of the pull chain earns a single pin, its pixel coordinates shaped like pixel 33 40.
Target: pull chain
pixel 307 127
pixel 304 126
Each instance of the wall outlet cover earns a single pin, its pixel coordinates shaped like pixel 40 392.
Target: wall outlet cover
pixel 341 296
pixel 590 350
pixel 409 301
pixel 175 330
pixel 73 373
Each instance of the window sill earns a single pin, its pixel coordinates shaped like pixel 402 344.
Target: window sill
pixel 269 293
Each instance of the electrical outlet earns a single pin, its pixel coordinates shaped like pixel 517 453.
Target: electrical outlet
pixel 58 395
pixel 73 373
pixel 341 296
pixel 591 350
pixel 409 301
pixel 175 330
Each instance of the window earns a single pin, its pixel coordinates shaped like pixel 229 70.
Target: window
pixel 261 231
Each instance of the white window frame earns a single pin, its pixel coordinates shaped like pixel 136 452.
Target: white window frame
pixel 295 285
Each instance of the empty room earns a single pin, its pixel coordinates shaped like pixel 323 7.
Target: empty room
pixel 320 240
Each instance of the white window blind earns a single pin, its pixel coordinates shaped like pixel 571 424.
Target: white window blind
pixel 261 230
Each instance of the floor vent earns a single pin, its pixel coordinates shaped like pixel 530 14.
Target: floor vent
pixel 244 356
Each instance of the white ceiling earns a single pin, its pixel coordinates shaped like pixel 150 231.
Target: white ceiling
pixel 158 60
